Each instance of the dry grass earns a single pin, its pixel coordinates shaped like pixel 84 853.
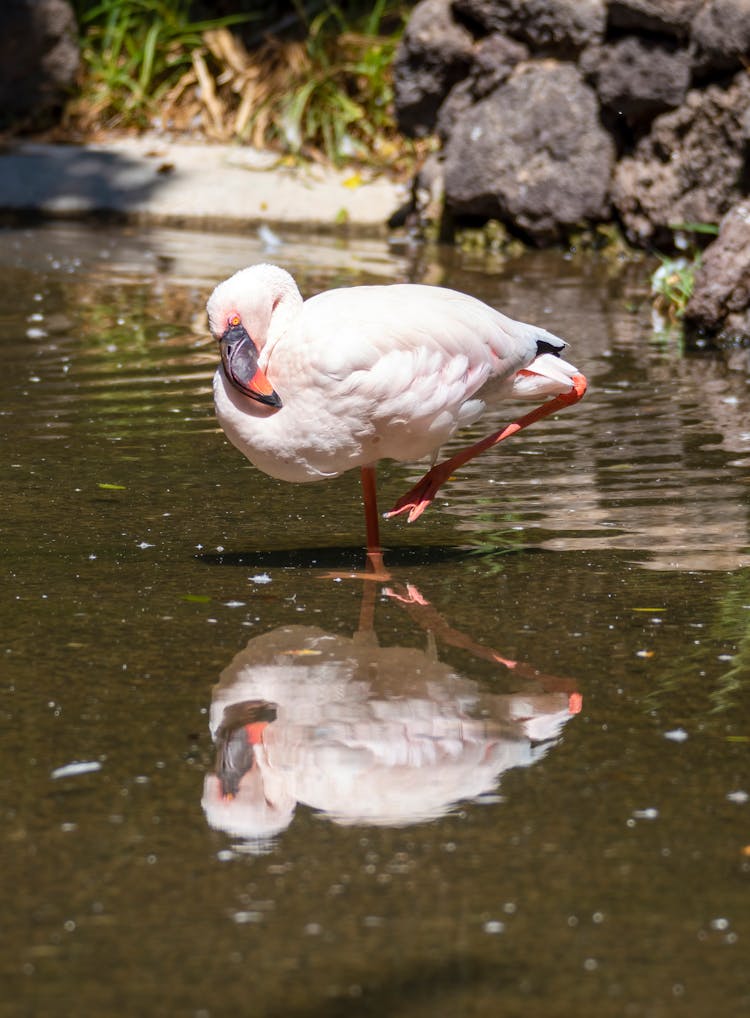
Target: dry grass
pixel 327 98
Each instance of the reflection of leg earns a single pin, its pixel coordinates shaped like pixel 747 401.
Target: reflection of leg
pixel 410 595
pixel 367 609
pixel 430 619
pixel 416 500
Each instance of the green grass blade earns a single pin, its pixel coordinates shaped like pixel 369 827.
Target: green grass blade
pixel 147 59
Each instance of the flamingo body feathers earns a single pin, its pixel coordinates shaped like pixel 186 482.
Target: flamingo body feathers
pixel 371 372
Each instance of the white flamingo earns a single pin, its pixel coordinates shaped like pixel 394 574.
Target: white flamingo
pixel 309 389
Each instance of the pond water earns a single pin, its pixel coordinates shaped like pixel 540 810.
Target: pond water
pixel 512 780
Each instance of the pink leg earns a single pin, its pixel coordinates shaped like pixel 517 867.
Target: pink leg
pixel 416 500
pixel 369 494
pixel 375 568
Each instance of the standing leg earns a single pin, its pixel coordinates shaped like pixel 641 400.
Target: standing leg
pixel 416 500
pixel 372 523
pixel 375 569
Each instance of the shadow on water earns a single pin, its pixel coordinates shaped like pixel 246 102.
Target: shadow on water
pixel 426 988
pixel 353 557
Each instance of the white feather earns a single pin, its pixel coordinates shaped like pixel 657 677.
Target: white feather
pixel 370 372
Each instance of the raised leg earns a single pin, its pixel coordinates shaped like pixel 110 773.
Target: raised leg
pixel 416 500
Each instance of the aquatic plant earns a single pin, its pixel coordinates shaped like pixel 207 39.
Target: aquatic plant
pixel 672 283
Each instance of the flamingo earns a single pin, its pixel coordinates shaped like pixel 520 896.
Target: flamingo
pixel 309 389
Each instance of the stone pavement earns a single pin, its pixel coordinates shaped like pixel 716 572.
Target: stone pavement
pixel 199 185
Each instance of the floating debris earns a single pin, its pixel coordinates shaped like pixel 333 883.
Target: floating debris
pixel 270 240
pixel 676 735
pixel 242 918
pixel 72 770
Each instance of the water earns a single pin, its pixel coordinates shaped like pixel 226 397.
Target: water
pixel 514 779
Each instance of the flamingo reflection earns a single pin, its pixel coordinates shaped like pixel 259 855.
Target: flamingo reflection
pixel 367 734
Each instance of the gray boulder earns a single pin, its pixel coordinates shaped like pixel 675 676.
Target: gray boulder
pixel 434 53
pixel 38 57
pixel 556 27
pixel 531 98
pixel 720 304
pixel 494 60
pixel 721 35
pixel 532 154
pixel 638 78
pixel 689 168
pixel 667 17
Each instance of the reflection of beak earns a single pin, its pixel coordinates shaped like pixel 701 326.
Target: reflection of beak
pixel 241 729
pixel 234 759
pixel 239 355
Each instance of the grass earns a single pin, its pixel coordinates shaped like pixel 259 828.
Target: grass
pixel 332 93
pixel 324 93
pixel 133 53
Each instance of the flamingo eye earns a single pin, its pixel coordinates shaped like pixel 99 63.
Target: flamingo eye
pixel 234 319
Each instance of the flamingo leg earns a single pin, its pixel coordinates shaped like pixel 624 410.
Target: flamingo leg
pixel 416 500
pixel 372 524
pixel 375 568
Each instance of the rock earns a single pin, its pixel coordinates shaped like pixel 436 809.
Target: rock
pixel 532 154
pixel 507 85
pixel 494 59
pixel 689 168
pixel 554 27
pixel 721 35
pixel 639 78
pixel 434 53
pixel 668 17
pixel 720 304
pixel 38 57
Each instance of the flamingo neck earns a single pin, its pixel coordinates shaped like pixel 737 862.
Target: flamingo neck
pixel 286 306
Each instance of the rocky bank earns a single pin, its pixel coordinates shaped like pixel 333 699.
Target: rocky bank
pixel 553 114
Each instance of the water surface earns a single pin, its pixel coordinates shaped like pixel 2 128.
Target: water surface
pixel 514 779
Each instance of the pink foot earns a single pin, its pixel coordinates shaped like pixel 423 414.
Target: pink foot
pixel 416 500
pixel 375 570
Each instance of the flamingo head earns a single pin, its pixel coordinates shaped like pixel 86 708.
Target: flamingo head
pixel 240 313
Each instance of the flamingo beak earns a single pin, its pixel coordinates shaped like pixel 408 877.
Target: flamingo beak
pixel 239 355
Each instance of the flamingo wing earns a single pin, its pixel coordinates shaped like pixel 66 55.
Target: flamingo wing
pixel 412 362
